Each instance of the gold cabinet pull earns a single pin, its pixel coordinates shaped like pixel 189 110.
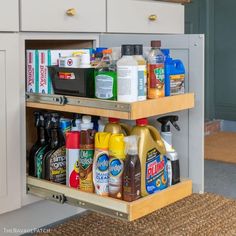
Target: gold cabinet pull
pixel 71 12
pixel 152 17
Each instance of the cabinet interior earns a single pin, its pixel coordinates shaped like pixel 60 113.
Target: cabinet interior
pixel 58 44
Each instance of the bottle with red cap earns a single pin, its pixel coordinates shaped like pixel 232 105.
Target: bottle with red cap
pixel 114 126
pixel 151 150
pixel 72 159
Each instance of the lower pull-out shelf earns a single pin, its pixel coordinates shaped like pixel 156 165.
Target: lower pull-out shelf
pixel 106 205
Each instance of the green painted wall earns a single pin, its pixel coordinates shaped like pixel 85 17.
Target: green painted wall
pixel 217 19
pixel 199 18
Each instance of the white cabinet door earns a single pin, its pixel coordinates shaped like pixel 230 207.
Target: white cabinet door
pixel 10 189
pixel 9 15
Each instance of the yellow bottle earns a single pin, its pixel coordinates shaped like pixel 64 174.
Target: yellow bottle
pixel 115 127
pixel 101 163
pixel 153 163
pixel 116 165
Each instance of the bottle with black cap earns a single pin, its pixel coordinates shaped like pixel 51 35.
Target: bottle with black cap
pixel 171 154
pixel 142 72
pixel 127 75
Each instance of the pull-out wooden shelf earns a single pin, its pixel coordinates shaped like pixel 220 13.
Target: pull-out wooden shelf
pixel 107 205
pixel 129 111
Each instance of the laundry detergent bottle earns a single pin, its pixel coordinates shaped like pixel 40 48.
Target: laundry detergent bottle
pixel 151 153
pixel 115 127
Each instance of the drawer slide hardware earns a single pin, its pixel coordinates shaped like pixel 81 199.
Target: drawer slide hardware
pixel 62 198
pixel 77 101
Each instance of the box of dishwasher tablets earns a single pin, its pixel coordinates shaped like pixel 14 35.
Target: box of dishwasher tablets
pixel 31 71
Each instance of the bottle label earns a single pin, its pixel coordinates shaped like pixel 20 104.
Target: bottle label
pixel 39 162
pixel 85 170
pixel 156 174
pixel 58 166
pixel 177 84
pixel 156 79
pixel 101 173
pixel 72 168
pixel 104 86
pixel 142 82
pixel 126 80
pixel 116 168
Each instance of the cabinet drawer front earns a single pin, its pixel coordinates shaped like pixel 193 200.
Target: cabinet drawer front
pixel 53 15
pixel 9 15
pixel 133 17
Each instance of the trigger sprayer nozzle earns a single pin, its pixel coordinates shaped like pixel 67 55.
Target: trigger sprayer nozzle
pixel 165 123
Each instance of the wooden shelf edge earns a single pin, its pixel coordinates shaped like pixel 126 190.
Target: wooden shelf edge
pixel 176 1
pixel 160 106
pixel 137 110
pixel 151 203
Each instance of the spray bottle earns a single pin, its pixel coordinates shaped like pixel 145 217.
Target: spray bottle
pixel 132 170
pixel 171 154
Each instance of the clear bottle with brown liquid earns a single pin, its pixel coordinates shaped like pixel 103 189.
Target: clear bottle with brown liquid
pixel 132 170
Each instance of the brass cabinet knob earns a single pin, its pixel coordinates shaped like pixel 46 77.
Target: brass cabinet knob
pixel 152 17
pixel 71 12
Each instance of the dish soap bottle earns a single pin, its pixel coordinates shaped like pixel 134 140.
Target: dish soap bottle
pixel 54 161
pixel 132 170
pixel 172 156
pixel 106 77
pixel 151 153
pixel 156 71
pixel 115 127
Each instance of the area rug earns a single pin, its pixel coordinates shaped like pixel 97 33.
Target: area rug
pixel 207 214
pixel 221 146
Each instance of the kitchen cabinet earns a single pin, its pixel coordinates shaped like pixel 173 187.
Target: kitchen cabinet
pixel 10 186
pixel 9 15
pixel 40 26
pixel 189 107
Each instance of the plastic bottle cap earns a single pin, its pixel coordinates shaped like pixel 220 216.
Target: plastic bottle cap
pixel 113 120
pixel 107 51
pixel 73 140
pixel 86 119
pixel 156 44
pixel 127 50
pixel 142 121
pixel 138 49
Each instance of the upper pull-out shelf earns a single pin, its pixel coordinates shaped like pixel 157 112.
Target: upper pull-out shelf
pixel 129 111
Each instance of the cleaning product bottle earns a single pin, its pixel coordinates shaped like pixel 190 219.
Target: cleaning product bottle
pixel 101 163
pixel 115 127
pixel 132 170
pixel 102 123
pixel 76 123
pixel 54 161
pixel 174 77
pixel 106 78
pixel 40 141
pixel 156 71
pixel 127 75
pixel 86 155
pixel 142 72
pixel 45 147
pixel 171 154
pixel 116 165
pixel 151 153
pixel 86 123
pixel 72 159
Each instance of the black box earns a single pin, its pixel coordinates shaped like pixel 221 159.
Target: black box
pixel 72 81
